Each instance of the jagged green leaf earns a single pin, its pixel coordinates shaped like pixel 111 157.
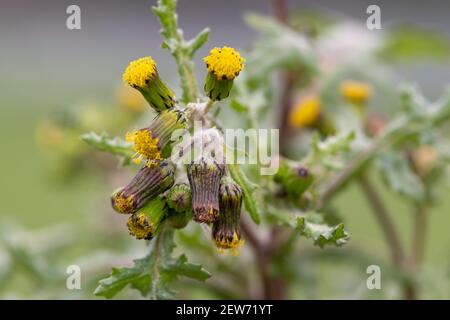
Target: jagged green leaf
pixel 152 275
pixel 197 42
pixel 322 234
pixel 332 145
pixel 104 142
pixel 327 152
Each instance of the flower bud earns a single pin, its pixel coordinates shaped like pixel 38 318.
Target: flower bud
pixel 356 92
pixel 149 182
pixel 142 75
pixel 294 179
pixel 204 178
pixel 226 230
pixel 150 142
pixel 223 64
pixel 306 113
pixel 144 224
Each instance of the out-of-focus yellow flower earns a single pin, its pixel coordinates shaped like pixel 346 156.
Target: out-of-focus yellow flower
pixel 424 159
pixel 149 142
pixel 130 99
pixel 356 92
pixel 306 112
pixel 139 72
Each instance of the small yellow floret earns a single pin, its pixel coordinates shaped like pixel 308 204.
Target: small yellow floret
pixel 306 112
pixel 139 72
pixel 144 143
pixel 356 92
pixel 225 63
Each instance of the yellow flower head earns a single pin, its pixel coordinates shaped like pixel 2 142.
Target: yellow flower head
pixel 139 72
pixel 356 92
pixel 144 143
pixel 306 112
pixel 140 226
pixel 225 63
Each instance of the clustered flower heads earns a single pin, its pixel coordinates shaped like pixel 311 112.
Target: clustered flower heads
pixel 355 91
pixel 168 192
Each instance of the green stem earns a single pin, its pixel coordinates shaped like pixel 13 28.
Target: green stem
pixel 419 236
pixel 208 107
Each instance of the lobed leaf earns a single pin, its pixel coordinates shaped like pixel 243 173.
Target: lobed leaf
pixel 322 234
pixel 152 275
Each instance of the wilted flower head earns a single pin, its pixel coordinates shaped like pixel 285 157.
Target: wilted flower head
pixel 142 75
pixel 149 182
pixel 145 223
pixel 356 92
pixel 179 198
pixel 149 142
pixel 223 64
pixel 204 178
pixel 226 230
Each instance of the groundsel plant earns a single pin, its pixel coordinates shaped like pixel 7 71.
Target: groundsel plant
pixel 187 173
